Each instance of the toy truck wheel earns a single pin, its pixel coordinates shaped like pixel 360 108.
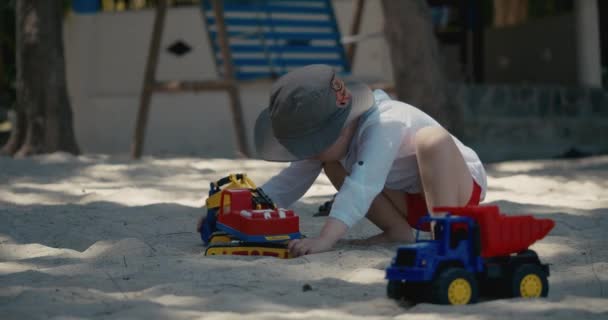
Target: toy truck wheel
pixel 454 286
pixel 529 281
pixel 394 289
pixel 398 290
pixel 529 254
pixel 415 292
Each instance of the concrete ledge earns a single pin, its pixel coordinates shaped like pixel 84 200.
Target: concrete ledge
pixel 525 122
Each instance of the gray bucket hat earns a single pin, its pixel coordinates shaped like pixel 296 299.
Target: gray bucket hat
pixel 304 117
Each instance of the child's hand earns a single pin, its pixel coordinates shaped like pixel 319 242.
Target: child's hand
pixel 332 231
pixel 300 247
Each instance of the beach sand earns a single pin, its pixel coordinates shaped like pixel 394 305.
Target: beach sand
pixel 105 237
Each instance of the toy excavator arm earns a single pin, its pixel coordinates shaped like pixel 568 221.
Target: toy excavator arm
pixel 238 180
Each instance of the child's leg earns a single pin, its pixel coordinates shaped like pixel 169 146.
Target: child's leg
pixel 388 210
pixel 445 177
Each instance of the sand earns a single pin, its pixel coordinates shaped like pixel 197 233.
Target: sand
pixel 108 238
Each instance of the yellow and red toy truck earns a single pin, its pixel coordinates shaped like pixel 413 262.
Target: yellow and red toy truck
pixel 242 220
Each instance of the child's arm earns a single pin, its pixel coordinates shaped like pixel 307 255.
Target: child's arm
pixel 292 182
pixel 379 145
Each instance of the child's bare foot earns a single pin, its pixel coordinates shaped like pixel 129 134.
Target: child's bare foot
pixel 383 238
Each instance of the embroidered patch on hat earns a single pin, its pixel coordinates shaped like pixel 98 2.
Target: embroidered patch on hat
pixel 343 96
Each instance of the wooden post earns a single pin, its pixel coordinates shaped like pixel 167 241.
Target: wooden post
pixel 354 30
pixel 235 102
pixel 149 80
pixel 588 43
pixel 3 85
pixel 150 85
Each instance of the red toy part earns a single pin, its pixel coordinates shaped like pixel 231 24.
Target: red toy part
pixel 237 214
pixel 500 234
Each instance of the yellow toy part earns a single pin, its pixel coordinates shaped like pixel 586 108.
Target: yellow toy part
pixel 529 281
pixel 235 181
pixel 220 237
pixel 454 286
pixel 531 286
pixel 459 291
pixel 248 249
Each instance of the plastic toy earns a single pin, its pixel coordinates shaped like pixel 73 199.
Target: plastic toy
pixel 243 220
pixel 475 249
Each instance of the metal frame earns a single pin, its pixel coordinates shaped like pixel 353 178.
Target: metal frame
pixel 151 85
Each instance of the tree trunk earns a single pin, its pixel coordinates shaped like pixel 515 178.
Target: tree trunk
pixel 43 107
pixel 418 73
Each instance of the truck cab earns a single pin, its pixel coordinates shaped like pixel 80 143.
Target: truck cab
pixel 453 245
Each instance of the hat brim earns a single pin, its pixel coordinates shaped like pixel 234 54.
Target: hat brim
pixel 269 148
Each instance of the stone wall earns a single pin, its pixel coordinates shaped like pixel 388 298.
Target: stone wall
pixel 524 122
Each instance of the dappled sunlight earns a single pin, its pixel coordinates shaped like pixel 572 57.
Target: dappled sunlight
pixel 214 165
pixel 326 314
pixel 14 267
pixel 545 166
pixel 31 250
pixel 516 167
pixel 183 181
pixel 545 190
pixel 365 275
pixel 523 306
pixel 171 300
pixel 69 193
pixel 550 248
pixel 61 261
pixel 28 193
pixel 132 183
pixel 97 236
pixel 58 157
pixel 568 307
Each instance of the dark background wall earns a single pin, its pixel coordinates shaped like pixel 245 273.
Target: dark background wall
pixel 540 51
pixel 603 14
pixel 534 121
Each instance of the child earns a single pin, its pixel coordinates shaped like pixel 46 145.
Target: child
pixel 389 160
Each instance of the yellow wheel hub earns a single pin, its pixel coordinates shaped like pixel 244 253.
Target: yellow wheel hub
pixel 531 286
pixel 459 291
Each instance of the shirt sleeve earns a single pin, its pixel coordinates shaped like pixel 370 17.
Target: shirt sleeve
pixel 292 183
pixel 379 145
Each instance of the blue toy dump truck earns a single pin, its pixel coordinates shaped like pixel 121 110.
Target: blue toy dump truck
pixel 474 250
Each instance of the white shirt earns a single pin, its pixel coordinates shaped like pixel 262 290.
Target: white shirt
pixel 381 154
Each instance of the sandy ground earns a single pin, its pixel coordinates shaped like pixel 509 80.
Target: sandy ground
pixel 105 237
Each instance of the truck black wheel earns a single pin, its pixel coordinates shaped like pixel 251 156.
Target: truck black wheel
pixel 526 257
pixel 529 281
pixel 415 292
pixel 455 286
pixel 394 289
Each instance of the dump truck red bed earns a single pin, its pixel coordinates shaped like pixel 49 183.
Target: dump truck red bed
pixel 500 234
